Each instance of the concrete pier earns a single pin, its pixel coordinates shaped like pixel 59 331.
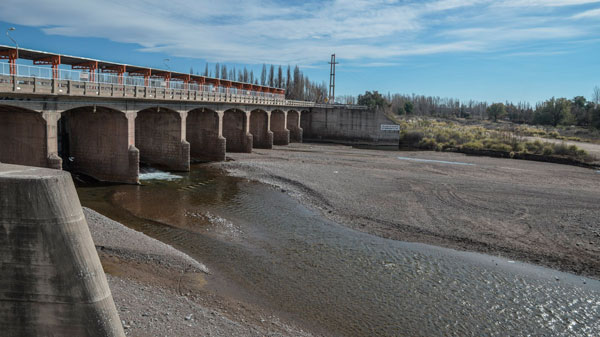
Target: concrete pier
pixel 51 280
pixel 281 135
pixel 262 136
pixel 293 125
pixel 204 129
pixel 160 135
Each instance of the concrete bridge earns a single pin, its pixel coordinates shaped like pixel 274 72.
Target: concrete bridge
pixel 103 125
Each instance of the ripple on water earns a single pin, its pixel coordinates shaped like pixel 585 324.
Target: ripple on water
pixel 357 284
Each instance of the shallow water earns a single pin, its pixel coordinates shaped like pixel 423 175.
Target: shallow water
pixel 287 257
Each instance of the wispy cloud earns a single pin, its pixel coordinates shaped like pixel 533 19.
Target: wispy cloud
pixel 257 31
pixel 592 13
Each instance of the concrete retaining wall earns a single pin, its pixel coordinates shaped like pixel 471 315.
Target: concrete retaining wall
pixel 51 280
pixel 349 126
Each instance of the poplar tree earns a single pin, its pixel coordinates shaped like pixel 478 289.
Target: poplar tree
pixel 263 75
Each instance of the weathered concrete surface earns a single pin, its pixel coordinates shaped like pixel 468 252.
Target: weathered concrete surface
pixel 22 137
pixel 348 126
pixel 102 144
pixel 236 126
pixel 160 137
pixel 281 135
pixel 51 280
pixel 262 137
pixel 204 133
pixel 293 124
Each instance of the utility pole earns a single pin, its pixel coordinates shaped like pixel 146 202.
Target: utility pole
pixel 332 79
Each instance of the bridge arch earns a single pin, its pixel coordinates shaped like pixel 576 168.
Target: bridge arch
pixel 203 128
pixel 160 137
pixel 293 124
pixel 236 132
pixel 281 134
pixel 23 137
pixel 100 142
pixel 262 137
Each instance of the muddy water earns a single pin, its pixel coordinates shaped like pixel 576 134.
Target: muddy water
pixel 330 278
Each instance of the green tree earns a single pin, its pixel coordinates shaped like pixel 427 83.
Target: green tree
pixel 580 110
pixel 408 107
pixel 553 112
pixel 372 99
pixel 496 110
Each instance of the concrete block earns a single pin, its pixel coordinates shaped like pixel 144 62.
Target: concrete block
pixel 51 280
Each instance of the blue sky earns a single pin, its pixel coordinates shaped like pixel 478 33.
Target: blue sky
pixel 517 50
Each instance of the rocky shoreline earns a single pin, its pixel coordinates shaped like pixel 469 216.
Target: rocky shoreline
pixel 159 291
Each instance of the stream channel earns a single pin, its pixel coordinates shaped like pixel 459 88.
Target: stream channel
pixel 337 281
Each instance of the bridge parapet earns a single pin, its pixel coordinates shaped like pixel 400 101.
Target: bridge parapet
pixel 11 84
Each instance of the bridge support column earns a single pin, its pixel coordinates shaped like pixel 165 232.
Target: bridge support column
pixel 293 124
pixel 281 135
pixel 236 130
pixel 100 142
pixel 160 135
pixel 52 158
pixel 205 134
pixel 262 137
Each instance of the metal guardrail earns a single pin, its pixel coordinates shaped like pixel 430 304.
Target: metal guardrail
pixel 36 85
pixel 109 78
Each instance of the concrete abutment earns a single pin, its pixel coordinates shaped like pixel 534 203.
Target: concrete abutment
pixel 160 136
pixel 52 282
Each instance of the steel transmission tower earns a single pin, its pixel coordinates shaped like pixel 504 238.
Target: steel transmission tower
pixel 332 79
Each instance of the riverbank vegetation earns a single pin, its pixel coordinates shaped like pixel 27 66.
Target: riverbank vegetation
pixel 559 118
pixel 437 135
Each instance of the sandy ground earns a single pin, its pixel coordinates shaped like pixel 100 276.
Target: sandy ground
pixel 158 290
pixel 536 212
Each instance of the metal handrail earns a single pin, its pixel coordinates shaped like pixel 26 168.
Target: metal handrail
pixel 105 78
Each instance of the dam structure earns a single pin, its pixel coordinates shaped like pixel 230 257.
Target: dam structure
pixel 103 118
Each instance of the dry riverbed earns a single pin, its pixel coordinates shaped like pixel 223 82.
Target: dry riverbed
pixel 531 211
pixel 158 290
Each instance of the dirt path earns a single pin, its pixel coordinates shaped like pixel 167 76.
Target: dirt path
pixel 536 212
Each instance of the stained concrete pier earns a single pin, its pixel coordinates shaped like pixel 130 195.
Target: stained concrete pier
pixel 51 279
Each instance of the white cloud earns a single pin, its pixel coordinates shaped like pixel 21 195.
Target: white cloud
pixel 592 13
pixel 257 31
pixel 544 3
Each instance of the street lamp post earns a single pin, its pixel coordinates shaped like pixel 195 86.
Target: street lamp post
pixel 13 40
pixel 13 62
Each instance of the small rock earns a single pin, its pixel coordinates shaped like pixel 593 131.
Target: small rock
pixel 188 317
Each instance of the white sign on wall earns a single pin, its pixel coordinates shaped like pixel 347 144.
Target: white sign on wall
pixel 390 127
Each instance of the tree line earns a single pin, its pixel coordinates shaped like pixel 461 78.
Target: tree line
pixel 296 84
pixel 554 111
